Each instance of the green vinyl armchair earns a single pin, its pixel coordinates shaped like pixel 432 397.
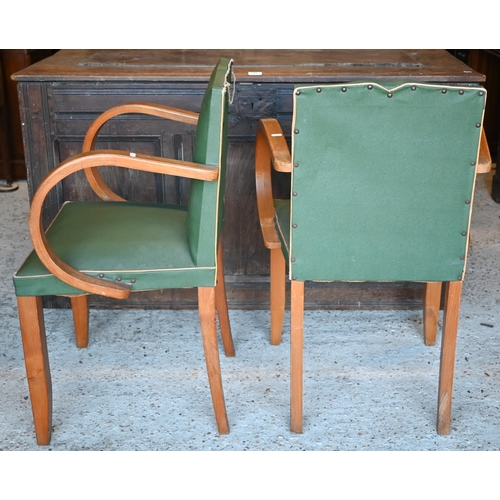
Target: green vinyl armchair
pixel 88 249
pixel 382 185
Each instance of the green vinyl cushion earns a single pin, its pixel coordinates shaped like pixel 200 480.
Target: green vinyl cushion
pixel 145 242
pixel 384 184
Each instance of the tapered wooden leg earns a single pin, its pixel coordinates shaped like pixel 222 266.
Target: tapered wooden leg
pixel 80 307
pixel 432 300
pixel 277 278
pixel 37 365
pixel 448 349
pixel 206 305
pixel 221 305
pixel 296 354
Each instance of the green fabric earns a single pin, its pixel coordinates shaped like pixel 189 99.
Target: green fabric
pixel 142 241
pixel 282 223
pixel 206 200
pixel 156 246
pixel 383 182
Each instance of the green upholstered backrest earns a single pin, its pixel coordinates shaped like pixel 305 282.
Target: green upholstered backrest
pixel 206 200
pixel 385 178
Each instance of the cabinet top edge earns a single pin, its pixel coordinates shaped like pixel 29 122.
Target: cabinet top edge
pixel 250 66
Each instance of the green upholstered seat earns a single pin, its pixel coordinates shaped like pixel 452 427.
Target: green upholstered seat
pixel 385 181
pixel 118 241
pixel 282 223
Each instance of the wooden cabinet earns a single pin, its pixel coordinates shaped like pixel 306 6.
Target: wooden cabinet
pixel 60 96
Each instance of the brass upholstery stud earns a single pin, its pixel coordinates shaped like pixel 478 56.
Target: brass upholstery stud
pixel 294 225
pixel 389 95
pixel 101 275
pixel 118 279
pixel 295 193
pixel 478 125
pixel 296 131
pixel 298 92
pixel 370 87
pixel 318 90
pixel 472 163
pixel 414 87
pixel 443 91
pixel 464 233
pixel 296 164
pixel 481 92
pixel 461 92
pixel 344 89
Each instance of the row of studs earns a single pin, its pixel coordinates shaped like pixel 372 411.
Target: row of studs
pixel 389 94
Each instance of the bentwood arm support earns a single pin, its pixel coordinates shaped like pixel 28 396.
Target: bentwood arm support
pixel 94 159
pixel 270 148
pixel 484 163
pixel 93 176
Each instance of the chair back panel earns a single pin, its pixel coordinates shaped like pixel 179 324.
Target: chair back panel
pixel 206 199
pixel 384 184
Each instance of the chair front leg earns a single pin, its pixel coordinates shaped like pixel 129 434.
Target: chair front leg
pixel 277 296
pixel 206 305
pixel 448 348
pixel 432 300
pixel 296 354
pixel 37 365
pixel 221 305
pixel 80 308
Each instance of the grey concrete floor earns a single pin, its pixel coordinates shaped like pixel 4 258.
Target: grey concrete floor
pixel 370 382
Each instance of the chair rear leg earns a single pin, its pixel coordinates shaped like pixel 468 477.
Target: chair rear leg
pixel 80 307
pixel 221 305
pixel 448 348
pixel 206 305
pixel 277 278
pixel 37 365
pixel 432 300
pixel 296 355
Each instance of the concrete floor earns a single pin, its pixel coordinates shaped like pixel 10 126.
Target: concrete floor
pixel 370 382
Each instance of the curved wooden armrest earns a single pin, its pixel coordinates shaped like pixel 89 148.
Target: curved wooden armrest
pixel 278 147
pixel 270 148
pixel 93 159
pixel 93 176
pixel 484 162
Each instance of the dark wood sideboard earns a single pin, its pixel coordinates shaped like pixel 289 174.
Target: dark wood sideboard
pixel 61 95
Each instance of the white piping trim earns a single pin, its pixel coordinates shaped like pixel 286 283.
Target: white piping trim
pixel 113 271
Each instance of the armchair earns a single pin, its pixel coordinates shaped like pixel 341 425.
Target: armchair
pixel 114 247
pixel 382 185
